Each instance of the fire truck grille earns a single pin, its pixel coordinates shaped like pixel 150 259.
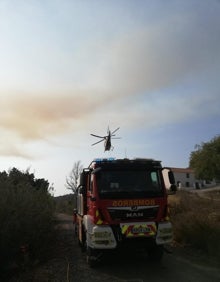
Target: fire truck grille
pixel 123 214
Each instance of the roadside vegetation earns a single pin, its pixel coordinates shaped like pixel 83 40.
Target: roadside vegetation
pixel 65 204
pixel 26 216
pixel 196 221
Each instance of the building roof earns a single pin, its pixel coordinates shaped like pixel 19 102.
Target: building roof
pixel 182 170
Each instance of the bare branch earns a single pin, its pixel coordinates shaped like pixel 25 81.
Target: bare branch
pixel 72 179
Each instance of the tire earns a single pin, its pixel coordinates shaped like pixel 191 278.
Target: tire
pixel 91 257
pixel 156 253
pixel 75 230
pixel 84 244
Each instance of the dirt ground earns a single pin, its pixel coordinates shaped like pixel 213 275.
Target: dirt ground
pixel 68 264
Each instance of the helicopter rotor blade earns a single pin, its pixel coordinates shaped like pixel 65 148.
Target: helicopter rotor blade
pixel 114 131
pixel 98 136
pixel 98 142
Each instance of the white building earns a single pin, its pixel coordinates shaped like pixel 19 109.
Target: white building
pixel 185 178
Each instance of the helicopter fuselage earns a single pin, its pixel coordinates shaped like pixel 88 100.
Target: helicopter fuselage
pixel 107 143
pixel 107 139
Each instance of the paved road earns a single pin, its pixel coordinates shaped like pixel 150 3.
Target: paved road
pixel 132 267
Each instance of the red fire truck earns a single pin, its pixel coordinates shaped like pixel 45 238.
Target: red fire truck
pixel 123 202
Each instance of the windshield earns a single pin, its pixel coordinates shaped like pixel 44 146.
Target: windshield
pixel 128 184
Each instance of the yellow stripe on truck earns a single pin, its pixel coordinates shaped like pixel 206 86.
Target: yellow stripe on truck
pixel 98 219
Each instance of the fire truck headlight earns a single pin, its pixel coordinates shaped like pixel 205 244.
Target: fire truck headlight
pixel 103 237
pixel 164 234
pixel 104 234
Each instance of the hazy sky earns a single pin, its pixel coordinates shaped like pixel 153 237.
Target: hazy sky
pixel 69 68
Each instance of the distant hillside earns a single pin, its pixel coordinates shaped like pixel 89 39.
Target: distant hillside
pixel 65 203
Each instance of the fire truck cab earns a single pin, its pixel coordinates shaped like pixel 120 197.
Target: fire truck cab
pixel 123 202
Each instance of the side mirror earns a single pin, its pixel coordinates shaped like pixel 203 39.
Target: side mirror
pixel 173 187
pixel 82 190
pixel 171 177
pixel 83 177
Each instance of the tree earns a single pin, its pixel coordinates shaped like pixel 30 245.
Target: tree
pixel 72 179
pixel 205 160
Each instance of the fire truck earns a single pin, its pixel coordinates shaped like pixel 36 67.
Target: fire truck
pixel 122 203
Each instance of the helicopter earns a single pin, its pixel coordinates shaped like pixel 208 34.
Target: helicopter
pixel 107 139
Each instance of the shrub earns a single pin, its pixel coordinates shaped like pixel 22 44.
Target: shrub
pixel 26 215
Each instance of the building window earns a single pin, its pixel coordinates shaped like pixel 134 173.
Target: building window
pixel 187 184
pixel 187 175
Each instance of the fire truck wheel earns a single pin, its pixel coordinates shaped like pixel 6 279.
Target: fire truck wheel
pixel 156 253
pixel 75 230
pixel 82 243
pixel 91 257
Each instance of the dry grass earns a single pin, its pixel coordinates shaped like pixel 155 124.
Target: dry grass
pixel 196 221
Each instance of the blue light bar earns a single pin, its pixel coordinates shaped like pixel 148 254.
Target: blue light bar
pixel 99 160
